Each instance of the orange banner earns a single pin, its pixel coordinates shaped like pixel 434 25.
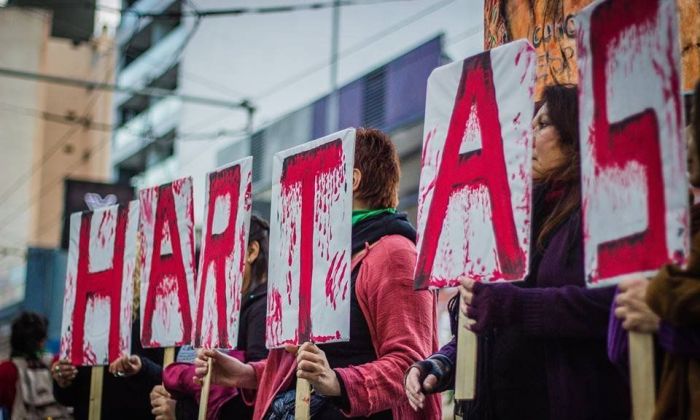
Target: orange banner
pixel 550 27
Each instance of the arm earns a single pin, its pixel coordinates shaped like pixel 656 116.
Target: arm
pixel 402 323
pixel 249 395
pixel 255 335
pixel 683 342
pixel 554 312
pixel 675 296
pixel 8 384
pixel 150 373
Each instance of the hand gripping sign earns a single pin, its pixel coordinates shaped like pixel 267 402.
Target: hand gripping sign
pixel 310 236
pixel 474 197
pixel 223 250
pixel 96 327
pixel 633 155
pixel 167 264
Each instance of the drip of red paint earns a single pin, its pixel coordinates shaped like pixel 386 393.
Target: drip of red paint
pixel 166 266
pixel 635 139
pixel 303 170
pixel 482 167
pixel 107 283
pixel 218 247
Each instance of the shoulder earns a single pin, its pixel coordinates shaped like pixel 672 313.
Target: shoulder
pixel 8 370
pixel 392 246
pixel 390 257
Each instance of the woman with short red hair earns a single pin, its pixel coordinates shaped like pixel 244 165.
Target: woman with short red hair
pixel 391 326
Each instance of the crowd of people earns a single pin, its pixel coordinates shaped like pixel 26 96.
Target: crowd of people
pixel 549 348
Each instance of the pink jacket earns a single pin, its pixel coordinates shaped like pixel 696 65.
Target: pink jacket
pixel 177 379
pixel 402 324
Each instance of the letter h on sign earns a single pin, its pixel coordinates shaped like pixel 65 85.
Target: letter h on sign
pixel 96 325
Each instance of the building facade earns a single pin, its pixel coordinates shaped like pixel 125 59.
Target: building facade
pixel 149 52
pixel 50 132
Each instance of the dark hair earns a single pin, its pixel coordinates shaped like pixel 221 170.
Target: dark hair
pixel 29 330
pixel 695 124
pixel 259 232
pixel 562 109
pixel 376 158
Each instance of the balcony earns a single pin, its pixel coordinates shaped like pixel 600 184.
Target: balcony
pixel 150 65
pixel 128 24
pixel 160 173
pixel 157 121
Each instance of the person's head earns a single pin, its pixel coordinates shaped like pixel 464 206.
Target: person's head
pixel 556 139
pixel 29 331
pixel 256 255
pixel 693 133
pixel 556 154
pixel 375 180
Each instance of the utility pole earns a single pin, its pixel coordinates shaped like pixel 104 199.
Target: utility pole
pixel 333 109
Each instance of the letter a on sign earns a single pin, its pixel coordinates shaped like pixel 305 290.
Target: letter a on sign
pixel 633 154
pixel 167 271
pixel 96 327
pixel 222 261
pixel 310 234
pixel 475 186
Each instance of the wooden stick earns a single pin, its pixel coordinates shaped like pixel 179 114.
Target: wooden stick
pixel 465 374
pixel 204 397
pixel 95 407
pixel 303 400
pixel 168 356
pixel 641 349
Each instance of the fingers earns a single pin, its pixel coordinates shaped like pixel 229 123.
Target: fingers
pixel 413 389
pixel 63 372
pixel 631 283
pixel 291 349
pixel 311 362
pixel 430 382
pixel 159 391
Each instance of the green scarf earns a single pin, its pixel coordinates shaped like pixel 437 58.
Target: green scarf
pixel 360 215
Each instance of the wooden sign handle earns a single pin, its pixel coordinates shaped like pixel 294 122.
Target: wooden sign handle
pixel 465 373
pixel 168 356
pixel 204 397
pixel 95 406
pixel 303 400
pixel 641 354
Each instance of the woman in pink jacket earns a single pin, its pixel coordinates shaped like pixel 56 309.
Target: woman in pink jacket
pixel 391 326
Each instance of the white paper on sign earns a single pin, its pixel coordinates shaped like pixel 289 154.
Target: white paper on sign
pixel 633 153
pixel 310 235
pixel 476 179
pixel 166 229
pixel 98 299
pixel 221 265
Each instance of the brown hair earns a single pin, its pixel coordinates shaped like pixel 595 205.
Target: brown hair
pixel 562 107
pixel 259 232
pixel 377 160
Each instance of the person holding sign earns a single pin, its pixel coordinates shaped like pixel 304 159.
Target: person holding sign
pixel 226 402
pixel 669 305
pixel 391 326
pixel 541 342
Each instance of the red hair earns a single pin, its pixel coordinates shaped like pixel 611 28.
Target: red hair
pixel 377 160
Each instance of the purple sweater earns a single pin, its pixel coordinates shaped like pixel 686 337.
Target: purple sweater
pixel 567 323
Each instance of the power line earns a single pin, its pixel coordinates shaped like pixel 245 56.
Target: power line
pixel 238 11
pixel 65 138
pixel 353 49
pixel 147 91
pixel 343 54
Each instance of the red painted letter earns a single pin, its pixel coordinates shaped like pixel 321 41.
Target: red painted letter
pixel 485 167
pixel 304 169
